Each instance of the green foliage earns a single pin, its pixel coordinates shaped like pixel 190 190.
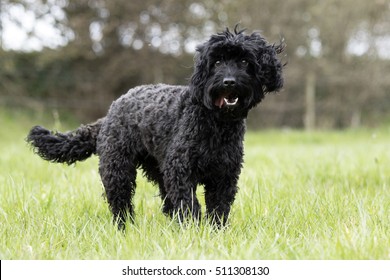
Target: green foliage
pixel 335 51
pixel 319 195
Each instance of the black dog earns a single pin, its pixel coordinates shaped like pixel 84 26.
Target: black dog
pixel 181 136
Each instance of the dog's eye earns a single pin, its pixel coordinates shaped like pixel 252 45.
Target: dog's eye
pixel 244 62
pixel 217 63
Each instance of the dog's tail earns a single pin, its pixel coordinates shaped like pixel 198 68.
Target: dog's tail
pixel 68 147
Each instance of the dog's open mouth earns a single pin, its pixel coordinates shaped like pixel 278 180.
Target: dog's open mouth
pixel 226 100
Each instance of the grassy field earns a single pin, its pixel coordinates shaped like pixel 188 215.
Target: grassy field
pixel 320 195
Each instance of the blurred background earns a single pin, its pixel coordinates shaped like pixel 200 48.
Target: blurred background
pixel 77 56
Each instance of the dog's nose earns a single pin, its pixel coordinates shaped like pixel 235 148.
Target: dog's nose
pixel 229 82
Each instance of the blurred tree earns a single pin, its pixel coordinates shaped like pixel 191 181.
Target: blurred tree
pixel 334 77
pixel 323 74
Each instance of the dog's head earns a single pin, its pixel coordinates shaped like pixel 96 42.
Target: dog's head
pixel 233 72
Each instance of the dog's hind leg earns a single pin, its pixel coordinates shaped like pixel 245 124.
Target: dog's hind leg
pixel 117 168
pixel 118 175
pixel 153 173
pixel 168 208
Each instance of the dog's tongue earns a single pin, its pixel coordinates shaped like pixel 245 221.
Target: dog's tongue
pixel 219 102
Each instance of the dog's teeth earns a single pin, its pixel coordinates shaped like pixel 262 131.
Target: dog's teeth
pixel 231 103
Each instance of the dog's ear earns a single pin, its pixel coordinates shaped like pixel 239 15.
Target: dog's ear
pixel 270 70
pixel 199 76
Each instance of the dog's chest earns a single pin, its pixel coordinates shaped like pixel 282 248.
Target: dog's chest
pixel 220 153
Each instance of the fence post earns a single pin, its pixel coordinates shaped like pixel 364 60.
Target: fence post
pixel 310 101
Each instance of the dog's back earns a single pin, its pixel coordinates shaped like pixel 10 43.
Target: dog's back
pixel 147 113
pixel 141 111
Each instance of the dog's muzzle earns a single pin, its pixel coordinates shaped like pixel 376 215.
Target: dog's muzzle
pixel 227 97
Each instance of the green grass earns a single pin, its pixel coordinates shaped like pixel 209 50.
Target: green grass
pixel 320 195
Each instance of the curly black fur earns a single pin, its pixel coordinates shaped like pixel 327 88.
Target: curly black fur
pixel 181 136
pixel 65 148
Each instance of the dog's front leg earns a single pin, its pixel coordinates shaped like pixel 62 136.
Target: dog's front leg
pixel 219 197
pixel 181 189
